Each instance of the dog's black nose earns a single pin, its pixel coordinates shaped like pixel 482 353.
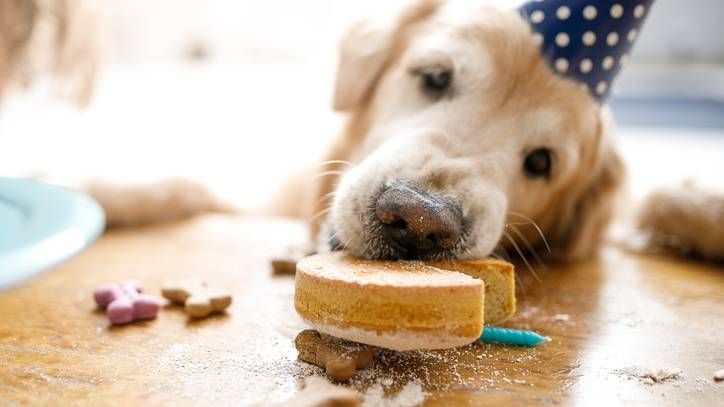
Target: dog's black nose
pixel 417 222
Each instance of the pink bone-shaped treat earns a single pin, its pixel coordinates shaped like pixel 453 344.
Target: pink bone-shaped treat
pixel 125 303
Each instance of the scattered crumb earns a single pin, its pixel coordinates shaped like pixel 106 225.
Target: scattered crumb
pixel 269 374
pixel 448 369
pixel 561 318
pixel 719 375
pixel 518 381
pixel 699 385
pixel 317 391
pixel 528 312
pixel 410 395
pixel 651 376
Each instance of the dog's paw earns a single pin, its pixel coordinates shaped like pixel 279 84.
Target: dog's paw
pixel 162 201
pixel 687 219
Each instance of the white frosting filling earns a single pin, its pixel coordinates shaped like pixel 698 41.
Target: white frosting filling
pixel 400 340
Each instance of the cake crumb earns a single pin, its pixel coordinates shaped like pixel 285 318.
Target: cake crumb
pixel 652 376
pixel 561 318
pixel 719 375
pixel 317 391
pixel 410 395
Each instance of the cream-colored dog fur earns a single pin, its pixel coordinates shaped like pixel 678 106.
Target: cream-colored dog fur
pixel 688 219
pixel 160 201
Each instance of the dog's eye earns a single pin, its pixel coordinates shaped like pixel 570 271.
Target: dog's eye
pixel 538 163
pixel 436 81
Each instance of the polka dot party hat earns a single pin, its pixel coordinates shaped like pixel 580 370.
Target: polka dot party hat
pixel 586 40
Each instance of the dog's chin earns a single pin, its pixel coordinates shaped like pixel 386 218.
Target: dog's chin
pixel 376 247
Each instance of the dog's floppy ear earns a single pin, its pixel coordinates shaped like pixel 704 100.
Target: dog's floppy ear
pixel 585 212
pixel 363 52
pixel 366 49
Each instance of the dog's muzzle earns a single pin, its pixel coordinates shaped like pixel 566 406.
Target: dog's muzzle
pixel 418 223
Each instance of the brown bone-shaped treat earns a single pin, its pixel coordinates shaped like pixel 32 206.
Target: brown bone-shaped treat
pixel 286 264
pixel 340 358
pixel 199 300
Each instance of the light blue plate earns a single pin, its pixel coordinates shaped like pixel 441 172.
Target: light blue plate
pixel 41 226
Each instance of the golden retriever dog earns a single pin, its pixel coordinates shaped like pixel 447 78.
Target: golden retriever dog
pixel 460 141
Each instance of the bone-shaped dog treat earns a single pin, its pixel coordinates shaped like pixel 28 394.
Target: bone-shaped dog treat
pixel 340 358
pixel 286 263
pixel 125 303
pixel 198 299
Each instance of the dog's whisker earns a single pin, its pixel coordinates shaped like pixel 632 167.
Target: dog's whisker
pixel 465 252
pixel 320 214
pixel 329 195
pixel 505 257
pixel 535 225
pixel 346 244
pixel 528 246
pixel 328 162
pixel 504 254
pixel 519 283
pixel 327 173
pixel 522 255
pixel 326 199
pixel 334 236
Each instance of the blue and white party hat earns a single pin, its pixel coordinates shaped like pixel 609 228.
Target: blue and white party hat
pixel 586 40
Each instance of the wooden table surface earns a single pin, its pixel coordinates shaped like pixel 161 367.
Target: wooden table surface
pixel 625 313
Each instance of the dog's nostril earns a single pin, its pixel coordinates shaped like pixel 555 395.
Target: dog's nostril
pixel 400 224
pixel 417 221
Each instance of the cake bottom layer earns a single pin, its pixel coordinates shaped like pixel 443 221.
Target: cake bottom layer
pixel 399 340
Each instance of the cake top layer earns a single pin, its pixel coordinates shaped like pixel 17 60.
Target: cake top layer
pixel 488 262
pixel 344 268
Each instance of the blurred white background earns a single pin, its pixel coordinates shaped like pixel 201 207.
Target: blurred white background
pixel 237 94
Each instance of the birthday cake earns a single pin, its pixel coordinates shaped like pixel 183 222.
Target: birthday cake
pixel 402 305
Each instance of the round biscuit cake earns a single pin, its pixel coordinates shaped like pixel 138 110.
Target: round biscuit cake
pixel 400 305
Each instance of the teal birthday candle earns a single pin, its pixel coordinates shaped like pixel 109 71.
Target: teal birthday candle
pixel 511 336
